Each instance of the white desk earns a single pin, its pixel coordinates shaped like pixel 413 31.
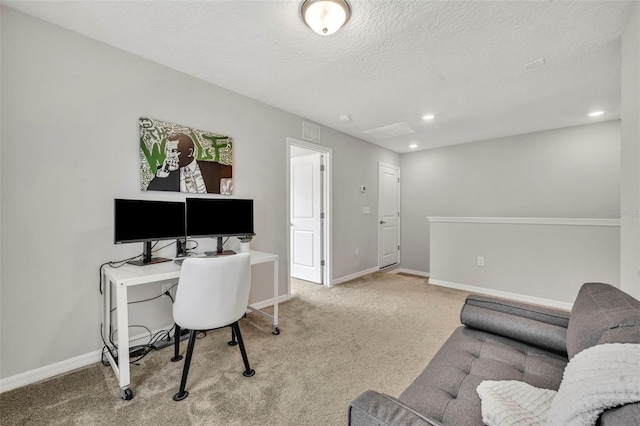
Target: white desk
pixel 127 276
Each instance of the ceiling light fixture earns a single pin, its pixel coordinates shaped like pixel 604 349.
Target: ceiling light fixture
pixel 413 145
pixel 428 117
pixel 325 17
pixel 596 113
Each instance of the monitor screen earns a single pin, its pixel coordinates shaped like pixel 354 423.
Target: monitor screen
pixel 215 217
pixel 144 220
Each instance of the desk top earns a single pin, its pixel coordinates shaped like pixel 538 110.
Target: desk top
pixel 128 275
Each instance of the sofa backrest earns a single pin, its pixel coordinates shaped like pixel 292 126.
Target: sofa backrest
pixel 602 313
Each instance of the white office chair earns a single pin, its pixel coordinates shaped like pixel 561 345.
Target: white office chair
pixel 212 293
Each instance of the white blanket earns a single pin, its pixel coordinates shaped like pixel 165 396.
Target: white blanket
pixel 600 377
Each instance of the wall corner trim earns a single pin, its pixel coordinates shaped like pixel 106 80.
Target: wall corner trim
pixel 354 276
pixel 410 271
pixel 527 220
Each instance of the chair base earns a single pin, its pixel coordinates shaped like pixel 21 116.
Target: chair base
pixel 236 337
pixel 176 358
pixel 234 340
pixel 180 396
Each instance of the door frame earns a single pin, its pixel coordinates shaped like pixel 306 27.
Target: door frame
pixel 380 165
pixel 327 197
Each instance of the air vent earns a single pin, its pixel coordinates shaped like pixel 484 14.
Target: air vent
pixel 310 132
pixel 390 131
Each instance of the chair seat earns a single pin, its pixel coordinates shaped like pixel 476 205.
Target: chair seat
pixel 212 293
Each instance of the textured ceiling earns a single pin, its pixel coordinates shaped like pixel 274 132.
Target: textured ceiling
pixel 394 61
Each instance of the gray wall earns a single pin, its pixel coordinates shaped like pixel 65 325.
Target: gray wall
pixel 70 109
pixel 630 189
pixel 540 261
pixel 571 172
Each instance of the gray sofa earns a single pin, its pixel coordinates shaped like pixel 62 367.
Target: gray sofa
pixel 507 340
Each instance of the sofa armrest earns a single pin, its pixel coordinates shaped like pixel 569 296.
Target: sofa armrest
pixel 373 408
pixel 536 325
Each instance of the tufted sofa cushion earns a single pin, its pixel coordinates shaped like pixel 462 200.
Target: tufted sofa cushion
pixel 446 390
pixel 602 314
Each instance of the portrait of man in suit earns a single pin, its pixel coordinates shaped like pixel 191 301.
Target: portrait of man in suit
pixel 182 172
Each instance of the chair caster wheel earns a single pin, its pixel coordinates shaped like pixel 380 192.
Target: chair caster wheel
pixel 232 343
pixel 176 358
pixel 180 396
pixel 127 394
pixel 276 330
pixel 249 373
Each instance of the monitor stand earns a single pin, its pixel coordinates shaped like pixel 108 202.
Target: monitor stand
pixel 181 247
pixel 220 251
pixel 147 259
pixel 217 253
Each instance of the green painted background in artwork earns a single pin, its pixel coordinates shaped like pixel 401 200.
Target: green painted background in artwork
pixel 153 140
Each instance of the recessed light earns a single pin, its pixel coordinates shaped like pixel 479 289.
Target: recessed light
pixel 428 117
pixel 596 113
pixel 413 145
pixel 345 117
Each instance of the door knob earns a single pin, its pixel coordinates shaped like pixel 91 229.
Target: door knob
pixel 382 221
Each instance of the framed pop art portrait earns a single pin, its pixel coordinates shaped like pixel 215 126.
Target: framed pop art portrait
pixel 178 158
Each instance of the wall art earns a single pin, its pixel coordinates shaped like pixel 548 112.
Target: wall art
pixel 178 158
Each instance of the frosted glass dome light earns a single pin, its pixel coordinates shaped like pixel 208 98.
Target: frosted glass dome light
pixel 325 17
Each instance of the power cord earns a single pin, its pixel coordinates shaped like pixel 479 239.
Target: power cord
pixel 114 264
pixel 120 263
pixel 137 352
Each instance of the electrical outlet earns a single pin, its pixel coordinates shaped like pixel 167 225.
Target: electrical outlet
pixel 357 251
pixel 480 261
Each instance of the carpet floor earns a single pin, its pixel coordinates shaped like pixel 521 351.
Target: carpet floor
pixel 376 332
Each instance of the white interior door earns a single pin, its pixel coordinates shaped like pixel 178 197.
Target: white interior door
pixel 306 221
pixel 389 215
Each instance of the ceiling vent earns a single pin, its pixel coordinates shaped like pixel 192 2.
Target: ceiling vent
pixel 390 131
pixel 310 132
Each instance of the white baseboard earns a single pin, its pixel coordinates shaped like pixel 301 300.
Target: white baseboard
pixel 350 277
pixel 65 366
pixel 48 371
pixel 269 302
pixel 410 271
pixel 503 294
pixel 74 363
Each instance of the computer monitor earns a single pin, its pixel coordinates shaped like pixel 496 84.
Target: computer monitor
pixel 219 217
pixel 145 221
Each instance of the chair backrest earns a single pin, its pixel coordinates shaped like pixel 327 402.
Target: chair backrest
pixel 212 292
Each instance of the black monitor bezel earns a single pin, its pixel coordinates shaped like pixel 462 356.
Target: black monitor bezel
pixel 174 236
pixel 218 202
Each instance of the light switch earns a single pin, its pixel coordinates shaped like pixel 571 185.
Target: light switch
pixel 366 210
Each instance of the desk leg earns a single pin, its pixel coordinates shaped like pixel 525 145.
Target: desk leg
pixel 105 284
pixel 123 342
pixel 276 330
pixel 106 325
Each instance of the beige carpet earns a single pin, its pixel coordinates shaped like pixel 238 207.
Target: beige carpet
pixel 376 332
